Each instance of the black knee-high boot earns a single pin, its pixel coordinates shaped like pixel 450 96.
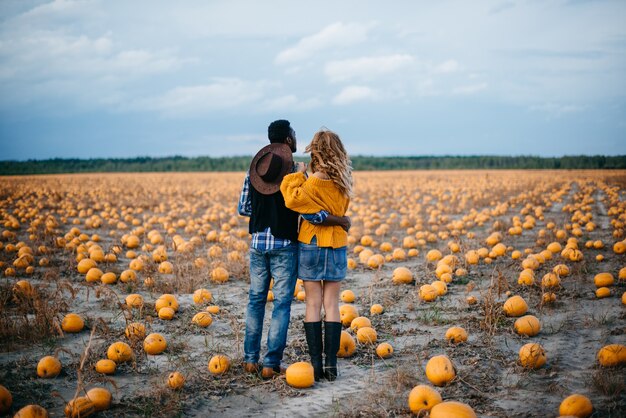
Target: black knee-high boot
pixel 313 332
pixel 332 338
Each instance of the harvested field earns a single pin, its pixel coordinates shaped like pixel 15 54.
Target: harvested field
pixel 175 233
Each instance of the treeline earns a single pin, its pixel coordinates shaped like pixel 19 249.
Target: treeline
pixel 178 163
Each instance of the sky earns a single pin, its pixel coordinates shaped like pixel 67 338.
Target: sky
pixel 119 78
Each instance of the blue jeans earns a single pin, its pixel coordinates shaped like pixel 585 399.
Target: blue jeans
pixel 282 265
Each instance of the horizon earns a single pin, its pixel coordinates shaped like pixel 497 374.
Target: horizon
pixel 92 79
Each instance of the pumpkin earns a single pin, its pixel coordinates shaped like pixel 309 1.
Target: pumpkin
pixel 402 275
pixel 527 325
pixel 175 380
pixel 72 323
pixel 603 292
pixel 219 364
pixel 366 335
pixel 85 265
pixel 100 397
pixel 347 313
pixel 166 313
pixel 166 300
pixel 135 331
pixel 202 296
pixel 398 254
pixel 48 367
pixel 131 241
pixel 472 257
pixel 134 300
pixel 108 278
pixel 360 322
pixel 532 356
pixel 576 405
pixel 526 277
pixel 376 309
pixel 515 306
pixel 32 411
pixel 154 344
pixel 202 319
pixel 622 273
pixel 347 346
pixel 347 296
pixel 119 352
pixel 548 297
pixel 423 398
pixel 128 276
pixel 384 350
pixel 6 400
pixel 471 300
pixel 439 370
pixel 612 355
pixel 428 293
pixel 213 309
pixel 624 298
pixel 452 409
pixel 106 366
pixel 93 275
pixel 433 255
pixel 456 335
pixel 561 270
pixel 603 280
pixel 79 407
pixel 165 267
pixel 220 275
pixel 551 280
pixel 554 247
pixel 300 375
pixel 440 286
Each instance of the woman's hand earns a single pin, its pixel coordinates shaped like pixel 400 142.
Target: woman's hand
pixel 301 167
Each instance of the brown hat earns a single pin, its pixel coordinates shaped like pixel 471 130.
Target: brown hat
pixel 269 166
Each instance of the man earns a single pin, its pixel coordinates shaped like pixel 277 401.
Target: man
pixel 274 246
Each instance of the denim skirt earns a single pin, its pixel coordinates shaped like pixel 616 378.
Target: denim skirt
pixel 321 263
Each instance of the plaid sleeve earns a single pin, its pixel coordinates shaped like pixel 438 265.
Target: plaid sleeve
pixel 316 218
pixel 245 205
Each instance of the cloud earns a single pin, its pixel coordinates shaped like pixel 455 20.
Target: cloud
pixel 352 94
pixel 366 67
pixel 290 102
pixel 447 67
pixel 191 101
pixel 469 89
pixel 501 7
pixel 336 35
pixel 556 110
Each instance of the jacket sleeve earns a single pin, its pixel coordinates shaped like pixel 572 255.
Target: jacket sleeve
pixel 295 195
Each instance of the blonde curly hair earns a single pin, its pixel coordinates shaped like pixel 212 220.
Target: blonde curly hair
pixel 330 157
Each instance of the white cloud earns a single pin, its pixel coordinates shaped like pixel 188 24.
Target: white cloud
pixel 447 67
pixel 336 35
pixel 352 94
pixel 189 101
pixel 366 67
pixel 470 89
pixel 290 102
pixel 557 109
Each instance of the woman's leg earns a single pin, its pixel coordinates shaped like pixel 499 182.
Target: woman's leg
pixel 332 328
pixel 313 325
pixel 331 301
pixel 313 291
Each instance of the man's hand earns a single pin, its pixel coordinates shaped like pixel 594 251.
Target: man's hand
pixel 342 221
pixel 301 167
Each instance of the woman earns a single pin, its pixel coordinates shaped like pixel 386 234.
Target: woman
pixel 322 249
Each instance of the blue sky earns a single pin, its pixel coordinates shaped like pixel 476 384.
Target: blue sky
pixel 113 78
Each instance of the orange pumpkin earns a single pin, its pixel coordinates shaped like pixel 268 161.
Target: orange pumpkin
pixel 347 346
pixel 154 344
pixel 384 350
pixel 300 375
pixel 119 352
pixel 48 367
pixel 576 405
pixel 72 323
pixel 527 325
pixel 219 364
pixel 452 409
pixel 6 400
pixel 106 366
pixel 456 335
pixel 439 370
pixel 100 397
pixel 423 398
pixel 532 356
pixel 175 380
pixel 515 306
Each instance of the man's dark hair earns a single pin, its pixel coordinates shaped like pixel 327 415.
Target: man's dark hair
pixel 278 131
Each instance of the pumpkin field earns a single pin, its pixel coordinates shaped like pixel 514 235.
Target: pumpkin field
pixel 469 293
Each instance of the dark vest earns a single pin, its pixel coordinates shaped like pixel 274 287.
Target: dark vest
pixel 270 210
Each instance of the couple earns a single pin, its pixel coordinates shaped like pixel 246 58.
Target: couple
pixel 299 229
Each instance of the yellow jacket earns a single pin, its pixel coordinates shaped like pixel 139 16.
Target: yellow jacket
pixel 311 195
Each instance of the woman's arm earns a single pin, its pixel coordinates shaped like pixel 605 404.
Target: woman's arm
pixel 296 198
